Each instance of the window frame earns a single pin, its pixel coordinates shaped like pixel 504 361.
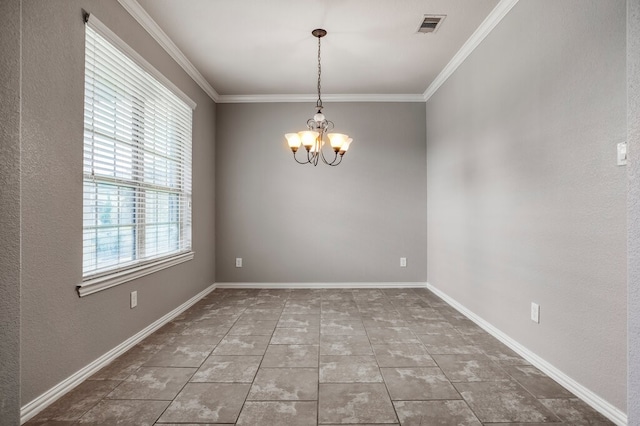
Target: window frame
pixel 96 281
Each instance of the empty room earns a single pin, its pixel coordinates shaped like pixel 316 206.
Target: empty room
pixel 320 212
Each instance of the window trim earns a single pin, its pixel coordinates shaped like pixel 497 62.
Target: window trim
pixel 111 278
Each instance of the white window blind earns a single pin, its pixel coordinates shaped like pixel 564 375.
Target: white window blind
pixel 137 160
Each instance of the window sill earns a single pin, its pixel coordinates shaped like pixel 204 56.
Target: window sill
pixel 95 285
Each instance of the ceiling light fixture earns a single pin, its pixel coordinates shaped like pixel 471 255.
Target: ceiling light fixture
pixel 313 138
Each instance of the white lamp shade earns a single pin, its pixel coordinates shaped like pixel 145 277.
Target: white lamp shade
pixel 308 138
pixel 293 140
pixel 337 139
pixel 345 145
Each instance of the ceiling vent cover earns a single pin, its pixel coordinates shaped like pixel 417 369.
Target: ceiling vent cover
pixel 430 23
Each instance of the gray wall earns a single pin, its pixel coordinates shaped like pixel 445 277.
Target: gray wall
pixel 62 333
pixel 525 201
pixel 292 223
pixel 633 201
pixel 10 212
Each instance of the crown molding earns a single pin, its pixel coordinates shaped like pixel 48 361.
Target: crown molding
pixel 490 22
pixel 238 99
pixel 142 17
pixel 139 14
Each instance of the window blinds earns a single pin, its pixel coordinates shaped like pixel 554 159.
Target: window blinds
pixel 137 159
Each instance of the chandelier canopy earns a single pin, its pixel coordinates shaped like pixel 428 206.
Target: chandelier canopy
pixel 318 128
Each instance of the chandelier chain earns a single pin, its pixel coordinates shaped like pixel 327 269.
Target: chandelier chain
pixel 319 102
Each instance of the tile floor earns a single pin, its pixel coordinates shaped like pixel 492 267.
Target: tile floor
pixel 329 357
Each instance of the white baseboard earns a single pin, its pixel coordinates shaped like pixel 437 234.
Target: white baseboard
pixel 323 285
pixel 29 410
pixel 602 406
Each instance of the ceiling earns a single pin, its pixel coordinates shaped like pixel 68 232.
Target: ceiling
pixel 265 48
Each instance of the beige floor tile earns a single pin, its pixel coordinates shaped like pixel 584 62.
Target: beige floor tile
pixel 285 384
pixel 281 413
pixel 345 345
pixel 156 383
pixel 207 403
pixel 111 412
pixel 355 403
pixel 435 413
pixel 291 356
pixel 228 368
pixel 418 384
pixel 349 369
pixel 295 336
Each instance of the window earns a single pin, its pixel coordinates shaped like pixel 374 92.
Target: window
pixel 137 161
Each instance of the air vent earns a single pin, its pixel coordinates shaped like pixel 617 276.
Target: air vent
pixel 430 23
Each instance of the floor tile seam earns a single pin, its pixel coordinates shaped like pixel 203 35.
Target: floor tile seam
pixel 138 399
pixel 387 387
pixel 256 373
pixel 288 368
pixel 205 359
pixel 282 400
pixel 186 383
pixel 532 395
pixel 545 376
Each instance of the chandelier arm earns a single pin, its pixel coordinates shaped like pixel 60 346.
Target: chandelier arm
pixel 333 162
pixel 312 157
pixel 339 161
pixel 298 161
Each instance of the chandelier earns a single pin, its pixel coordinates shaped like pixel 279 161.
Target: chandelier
pixel 313 139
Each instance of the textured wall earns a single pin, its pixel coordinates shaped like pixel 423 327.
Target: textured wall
pixel 62 333
pixel 10 212
pixel 293 223
pixel 525 201
pixel 633 137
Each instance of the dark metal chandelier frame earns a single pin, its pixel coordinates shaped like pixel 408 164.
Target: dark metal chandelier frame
pixel 318 127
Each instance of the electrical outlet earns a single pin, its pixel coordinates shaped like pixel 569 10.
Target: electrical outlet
pixel 238 262
pixel 535 313
pixel 134 299
pixel 403 262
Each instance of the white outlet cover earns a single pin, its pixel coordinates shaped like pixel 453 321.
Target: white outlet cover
pixel 622 154
pixel 134 299
pixel 403 262
pixel 535 313
pixel 238 262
